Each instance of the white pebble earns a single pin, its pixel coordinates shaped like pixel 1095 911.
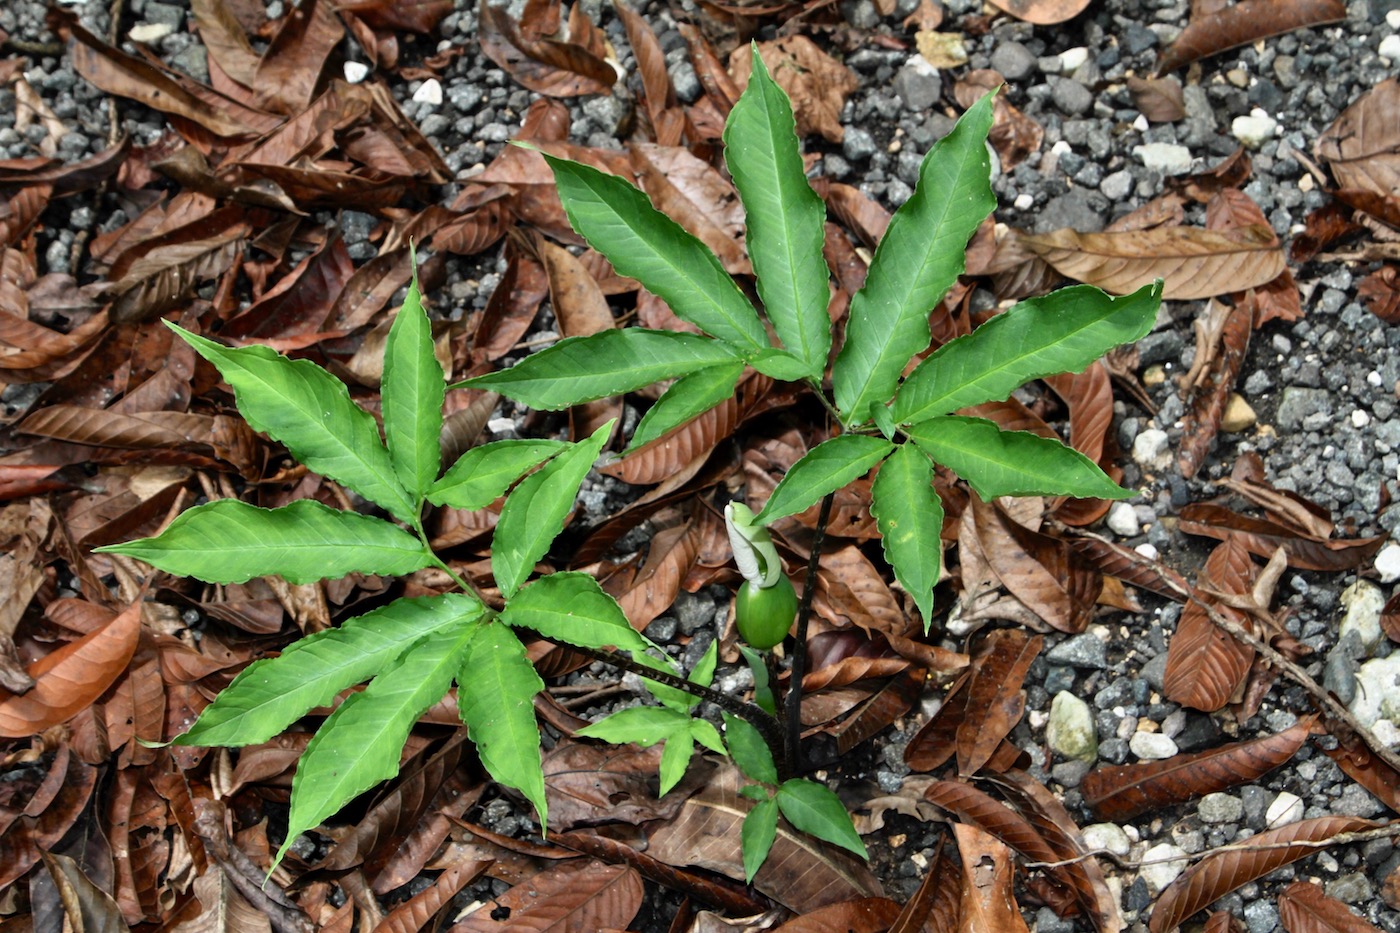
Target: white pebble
pixel 1140 123
pixel 1151 450
pixel 1390 48
pixel 1147 550
pixel 147 33
pixel 1373 378
pixel 429 93
pixel 1107 836
pixel 1163 863
pixel 1167 158
pixel 1060 148
pixel 1254 130
pixel 1152 746
pixel 1122 520
pixel 1386 732
pixel 355 72
pixel 501 426
pixel 1392 19
pixel 1388 563
pixel 1359 419
pixel 1024 202
pixel 1286 808
pixel 1070 59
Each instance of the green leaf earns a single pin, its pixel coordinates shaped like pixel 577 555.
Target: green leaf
pixel 762 690
pixel 815 810
pixel 571 607
pixel 756 836
pixel 644 725
pixel 1011 463
pixel 670 697
pixel 779 364
pixel 675 759
pixel 703 673
pixel 360 744
pixel 270 694
pixel 412 395
pixel 825 468
pixel 920 256
pixel 1063 331
pixel 749 751
pixel 229 541
pixel 910 516
pixel 687 397
pixel 482 474
pixel 641 242
pixel 310 411
pixel 785 218
pixel 704 732
pixel 496 687
pixel 535 511
pixel 610 362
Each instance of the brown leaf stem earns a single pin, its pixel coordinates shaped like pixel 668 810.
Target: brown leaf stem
pixel 792 704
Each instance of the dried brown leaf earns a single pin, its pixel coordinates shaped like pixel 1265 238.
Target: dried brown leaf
pixel 1242 23
pixel 547 66
pixel 988 901
pixel 1303 908
pixel 1117 794
pixel 816 83
pixel 1205 665
pixel 1221 872
pixel 1039 570
pixel 1158 99
pixel 863 915
pixel 69 678
pixel 290 69
pixel 995 702
pixel 1263 538
pixel 1362 146
pixel 1380 293
pixel 418 911
pixel 589 784
pixel 1222 342
pixel 1193 263
pixel 993 817
pixel 159 283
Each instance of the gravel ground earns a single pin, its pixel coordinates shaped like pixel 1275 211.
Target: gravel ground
pixel 1323 388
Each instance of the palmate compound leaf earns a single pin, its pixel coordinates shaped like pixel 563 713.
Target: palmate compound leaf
pixel 1011 463
pixel 610 362
pixel 785 218
pixel 230 541
pixel 1063 331
pixel 496 687
pixel 310 411
pixel 535 511
pixel 919 258
pixel 571 607
pixel 482 474
pixel 271 694
pixel 910 517
pixel 825 468
pixel 359 745
pixel 642 243
pixel 412 395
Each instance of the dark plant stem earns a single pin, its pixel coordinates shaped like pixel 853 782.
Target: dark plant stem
pixel 792 703
pixel 768 726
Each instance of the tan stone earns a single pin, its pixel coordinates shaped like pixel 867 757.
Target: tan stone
pixel 1239 416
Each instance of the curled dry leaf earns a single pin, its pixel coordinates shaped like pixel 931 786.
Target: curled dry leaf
pixel 988 901
pixel 1193 263
pixel 1205 665
pixel 1245 22
pixel 1303 908
pixel 816 83
pixel 1263 538
pixel 1039 570
pixel 1118 794
pixel 1222 340
pixel 1380 293
pixel 1043 12
pixel 863 915
pixel 547 66
pixel 1362 146
pixel 1224 870
pixel 1158 99
pixel 995 702
pixel 70 678
pixel 588 895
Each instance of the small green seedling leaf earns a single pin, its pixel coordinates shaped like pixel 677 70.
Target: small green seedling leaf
pixel 671 697
pixel 1061 332
pixel 610 362
pixel 359 745
pixel 704 732
pixel 919 258
pixel 910 518
pixel 825 468
pixel 675 759
pixel 412 394
pixel 269 695
pixel 229 541
pixel 814 809
pixel 643 725
pixel 786 219
pixel 481 475
pixel 703 673
pixel 309 410
pixel 1011 463
pixel 762 690
pixel 687 397
pixel 572 608
pixel 756 836
pixel 749 751
pixel 535 511
pixel 641 242
pixel 497 687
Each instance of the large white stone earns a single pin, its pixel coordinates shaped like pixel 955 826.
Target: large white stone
pixel 429 92
pixel 1070 731
pixel 1286 808
pixel 1388 563
pixel 1162 863
pixel 1390 47
pixel 1167 158
pixel 1363 602
pixel 1377 691
pixel 1151 449
pixel 1122 520
pixel 1254 130
pixel 1109 837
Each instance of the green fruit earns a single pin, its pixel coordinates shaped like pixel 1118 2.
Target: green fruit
pixel 765 615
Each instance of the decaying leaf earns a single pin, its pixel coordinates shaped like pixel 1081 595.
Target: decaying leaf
pixel 1244 22
pixel 1303 908
pixel 817 83
pixel 1362 146
pixel 1158 99
pixel 1204 664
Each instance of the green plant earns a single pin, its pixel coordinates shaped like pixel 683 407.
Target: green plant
pixel 411 650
